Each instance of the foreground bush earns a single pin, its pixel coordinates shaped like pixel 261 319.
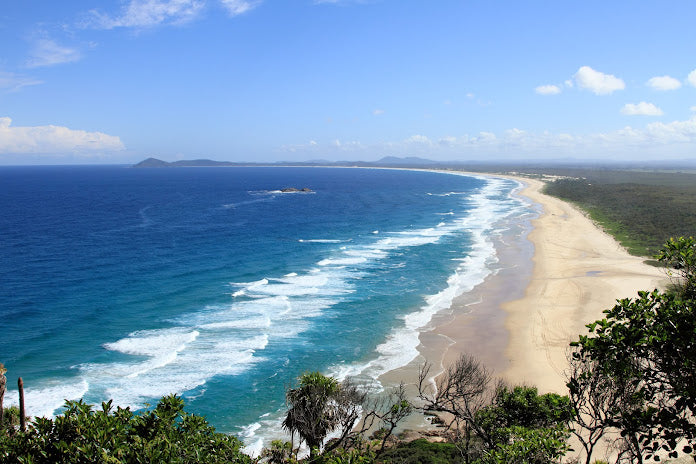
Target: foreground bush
pixel 422 451
pixel 83 435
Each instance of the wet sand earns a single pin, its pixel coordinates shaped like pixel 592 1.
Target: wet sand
pixel 550 281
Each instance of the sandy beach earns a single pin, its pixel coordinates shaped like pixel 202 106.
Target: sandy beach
pixel 548 286
pixel 579 271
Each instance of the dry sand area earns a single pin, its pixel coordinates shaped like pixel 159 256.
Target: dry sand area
pixel 520 321
pixel 578 272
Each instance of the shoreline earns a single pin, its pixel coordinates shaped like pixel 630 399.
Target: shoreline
pixel 579 271
pixel 550 281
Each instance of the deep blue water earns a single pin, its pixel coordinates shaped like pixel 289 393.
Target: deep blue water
pixel 133 283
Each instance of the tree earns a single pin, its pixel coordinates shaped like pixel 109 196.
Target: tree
pixel 522 406
pixel 597 401
pixel 312 411
pixel 493 423
pixel 647 345
pixel 680 254
pixel 526 445
pixel 525 427
pixel 390 410
pixel 457 395
pixel 83 435
pixel 320 405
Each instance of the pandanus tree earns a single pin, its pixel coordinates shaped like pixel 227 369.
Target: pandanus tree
pixel 312 409
pixel 320 405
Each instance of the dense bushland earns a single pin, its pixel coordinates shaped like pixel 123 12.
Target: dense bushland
pixel 641 216
pixel 82 434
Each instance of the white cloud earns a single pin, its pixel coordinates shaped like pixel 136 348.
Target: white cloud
pixel 418 140
pixel 691 78
pixel 378 112
pixel 237 7
pixel 597 82
pixel 641 109
pixel 664 83
pixel 447 141
pixel 13 82
pixel 693 108
pixel 655 140
pixel 53 139
pixel 149 13
pixel 673 132
pixel 46 52
pixel 548 90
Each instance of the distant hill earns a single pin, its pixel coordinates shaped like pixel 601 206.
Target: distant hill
pixel 408 161
pixel 152 163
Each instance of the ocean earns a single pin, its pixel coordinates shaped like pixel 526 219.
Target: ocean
pixel 214 284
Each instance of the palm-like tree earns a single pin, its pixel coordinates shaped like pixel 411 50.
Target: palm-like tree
pixel 313 411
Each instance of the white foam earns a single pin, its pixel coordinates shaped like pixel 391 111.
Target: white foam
pixel 207 356
pixel 321 240
pixel 343 261
pixel 253 323
pixel 154 342
pixel 43 401
pixel 401 345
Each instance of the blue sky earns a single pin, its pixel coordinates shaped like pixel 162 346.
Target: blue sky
pixel 87 81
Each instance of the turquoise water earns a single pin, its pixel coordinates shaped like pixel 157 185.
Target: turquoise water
pixel 211 283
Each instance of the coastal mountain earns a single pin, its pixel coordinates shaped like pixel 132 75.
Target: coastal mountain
pixel 152 163
pixel 408 161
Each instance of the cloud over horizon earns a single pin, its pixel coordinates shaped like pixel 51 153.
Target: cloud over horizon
pixel 597 82
pixel 625 142
pixel 641 109
pixel 664 83
pixel 53 139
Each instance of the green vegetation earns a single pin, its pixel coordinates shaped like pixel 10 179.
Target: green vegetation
pixel 314 409
pixel 642 355
pixel 496 424
pixel 83 435
pixel 641 210
pixel 422 451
